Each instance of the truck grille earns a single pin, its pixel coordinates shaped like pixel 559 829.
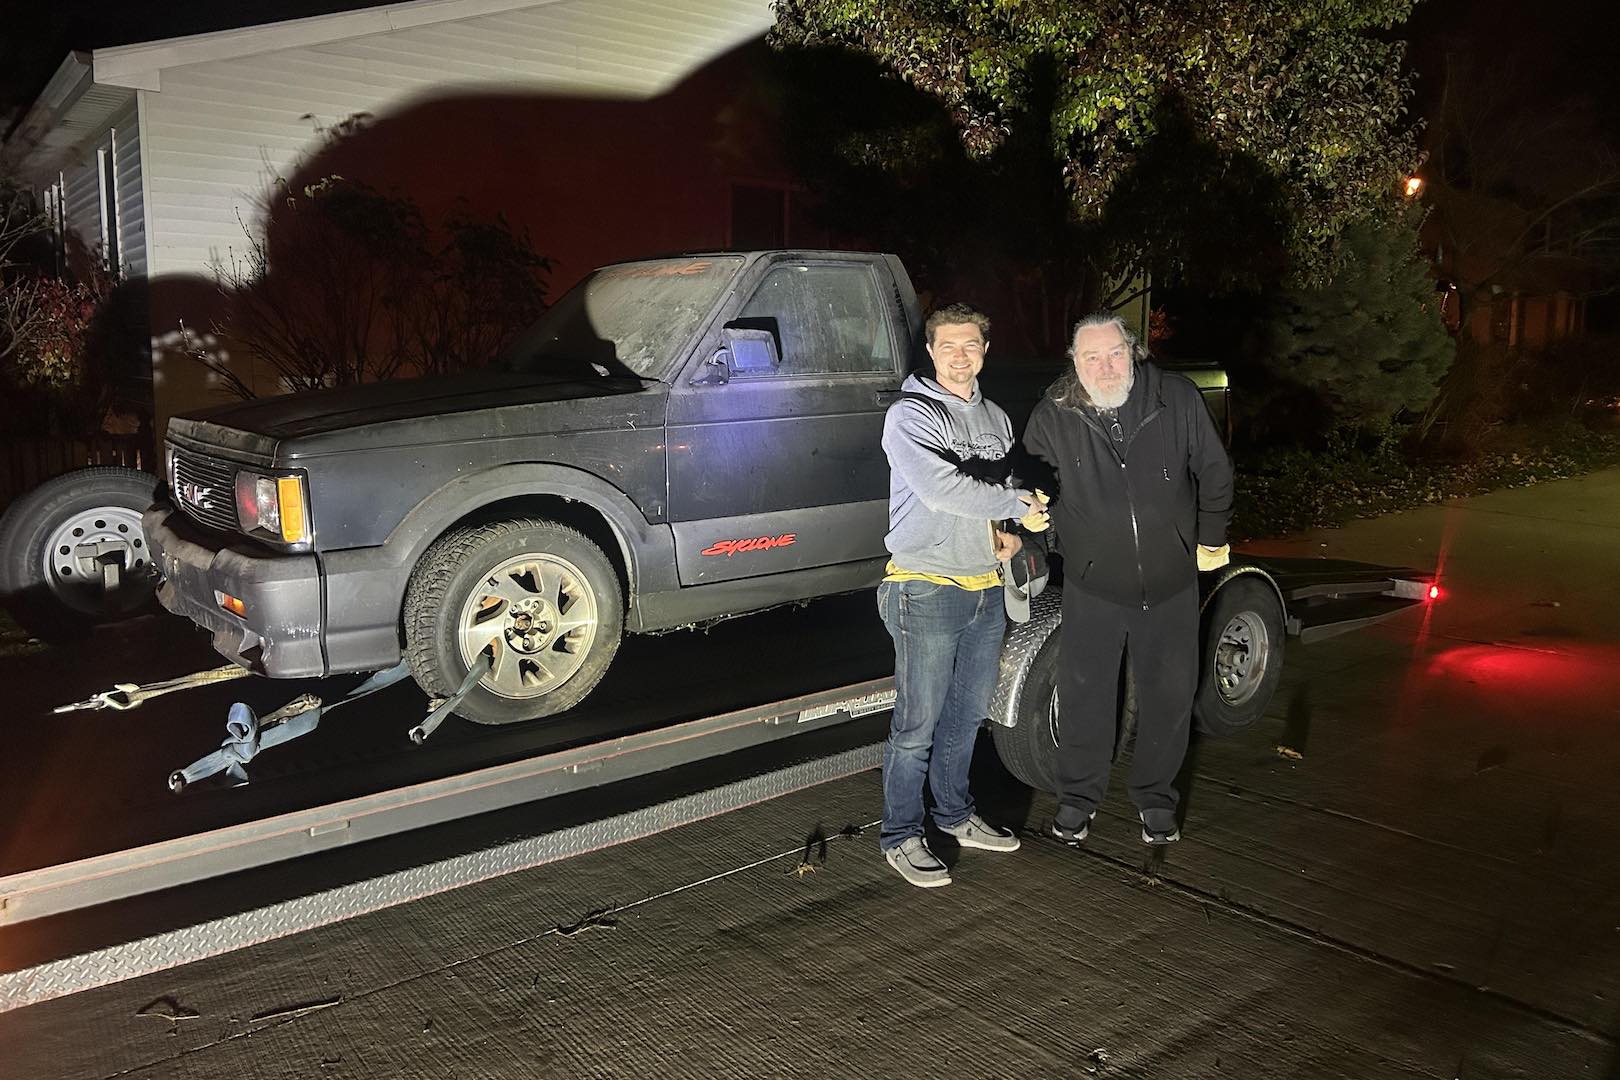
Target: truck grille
pixel 205 488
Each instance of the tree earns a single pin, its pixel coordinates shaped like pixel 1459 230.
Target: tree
pixel 21 313
pixel 346 284
pixel 1219 142
pixel 1357 351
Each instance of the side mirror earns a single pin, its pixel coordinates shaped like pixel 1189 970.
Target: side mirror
pixel 751 351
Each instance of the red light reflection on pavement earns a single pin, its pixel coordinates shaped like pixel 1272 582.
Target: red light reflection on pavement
pixel 1568 676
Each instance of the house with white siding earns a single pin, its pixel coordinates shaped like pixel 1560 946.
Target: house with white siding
pixel 155 157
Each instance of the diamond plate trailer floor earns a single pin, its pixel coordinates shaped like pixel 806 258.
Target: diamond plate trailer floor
pixel 704 952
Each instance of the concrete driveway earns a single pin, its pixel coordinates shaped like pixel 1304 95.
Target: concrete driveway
pixel 1410 869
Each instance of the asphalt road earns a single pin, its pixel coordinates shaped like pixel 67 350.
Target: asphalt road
pixel 1407 869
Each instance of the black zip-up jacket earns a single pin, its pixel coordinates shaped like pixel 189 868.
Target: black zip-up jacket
pixel 1127 510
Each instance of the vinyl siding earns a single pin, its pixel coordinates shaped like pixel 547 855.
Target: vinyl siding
pixel 219 133
pixel 81 188
pixel 131 209
pixel 81 180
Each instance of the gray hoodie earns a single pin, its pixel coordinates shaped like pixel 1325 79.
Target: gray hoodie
pixel 948 479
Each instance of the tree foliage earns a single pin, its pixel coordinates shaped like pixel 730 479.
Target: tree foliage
pixel 1367 344
pixel 348 284
pixel 1144 132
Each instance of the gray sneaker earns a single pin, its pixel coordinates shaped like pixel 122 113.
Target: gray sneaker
pixel 1070 834
pixel 913 861
pixel 1159 827
pixel 976 832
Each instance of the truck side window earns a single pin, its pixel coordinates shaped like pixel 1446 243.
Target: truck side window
pixel 829 319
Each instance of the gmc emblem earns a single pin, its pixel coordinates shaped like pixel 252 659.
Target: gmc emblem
pixel 195 494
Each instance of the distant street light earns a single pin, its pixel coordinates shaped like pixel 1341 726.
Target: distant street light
pixel 1414 184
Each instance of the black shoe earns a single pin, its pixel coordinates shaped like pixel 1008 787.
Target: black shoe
pixel 1069 836
pixel 1159 827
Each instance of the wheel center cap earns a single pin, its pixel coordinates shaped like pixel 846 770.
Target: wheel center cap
pixel 529 625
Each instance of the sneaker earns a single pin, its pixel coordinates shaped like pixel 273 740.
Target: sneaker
pixel 913 861
pixel 1071 836
pixel 975 832
pixel 1159 827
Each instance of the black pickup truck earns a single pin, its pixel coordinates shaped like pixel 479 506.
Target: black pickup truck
pixel 677 440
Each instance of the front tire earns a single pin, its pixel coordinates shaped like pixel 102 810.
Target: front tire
pixel 73 554
pixel 540 596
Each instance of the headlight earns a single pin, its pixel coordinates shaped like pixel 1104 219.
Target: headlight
pixel 272 505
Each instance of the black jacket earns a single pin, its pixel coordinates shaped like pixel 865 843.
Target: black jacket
pixel 1128 510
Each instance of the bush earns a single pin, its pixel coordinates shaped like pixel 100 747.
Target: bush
pixel 1286 491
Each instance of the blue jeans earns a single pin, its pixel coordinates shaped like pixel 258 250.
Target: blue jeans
pixel 947 652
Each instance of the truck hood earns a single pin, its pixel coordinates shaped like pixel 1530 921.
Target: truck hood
pixel 276 428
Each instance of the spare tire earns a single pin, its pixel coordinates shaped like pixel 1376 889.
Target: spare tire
pixel 73 555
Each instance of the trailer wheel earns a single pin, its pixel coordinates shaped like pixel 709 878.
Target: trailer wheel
pixel 1242 657
pixel 1028 696
pixel 73 555
pixel 540 595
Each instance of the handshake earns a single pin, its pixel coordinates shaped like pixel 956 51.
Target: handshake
pixel 1037 520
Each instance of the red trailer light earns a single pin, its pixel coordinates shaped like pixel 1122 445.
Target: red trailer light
pixel 1434 592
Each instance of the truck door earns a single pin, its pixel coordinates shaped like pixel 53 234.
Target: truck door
pixel 783 469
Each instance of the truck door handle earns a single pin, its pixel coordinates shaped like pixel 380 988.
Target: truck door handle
pixel 886 397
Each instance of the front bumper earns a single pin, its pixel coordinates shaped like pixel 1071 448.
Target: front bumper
pixel 279 634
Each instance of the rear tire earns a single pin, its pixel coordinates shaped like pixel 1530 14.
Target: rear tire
pixel 50 582
pixel 1243 636
pixel 539 595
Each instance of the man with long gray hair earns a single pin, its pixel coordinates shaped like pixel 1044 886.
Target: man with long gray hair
pixel 1142 501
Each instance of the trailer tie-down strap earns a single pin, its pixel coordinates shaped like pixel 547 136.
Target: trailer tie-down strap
pixel 130 695
pixel 481 666
pixel 247 734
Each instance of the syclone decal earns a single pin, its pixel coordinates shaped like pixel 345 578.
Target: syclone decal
pixel 753 543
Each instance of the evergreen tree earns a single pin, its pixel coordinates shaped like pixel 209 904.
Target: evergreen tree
pixel 1369 343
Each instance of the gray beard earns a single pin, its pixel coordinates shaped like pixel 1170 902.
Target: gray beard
pixel 1113 400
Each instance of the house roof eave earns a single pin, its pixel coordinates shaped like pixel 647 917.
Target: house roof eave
pixel 136 65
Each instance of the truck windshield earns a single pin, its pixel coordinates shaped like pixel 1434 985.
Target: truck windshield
pixel 628 319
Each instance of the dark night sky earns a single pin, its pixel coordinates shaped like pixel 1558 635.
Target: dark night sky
pixel 1574 44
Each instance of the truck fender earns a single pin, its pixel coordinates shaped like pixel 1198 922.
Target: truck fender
pixel 466 495
pixel 646 549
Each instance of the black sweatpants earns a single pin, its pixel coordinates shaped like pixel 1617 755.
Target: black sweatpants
pixel 1162 643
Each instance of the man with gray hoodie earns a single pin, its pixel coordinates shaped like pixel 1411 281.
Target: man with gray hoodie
pixel 950 488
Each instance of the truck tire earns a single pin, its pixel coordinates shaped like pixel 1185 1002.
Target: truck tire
pixel 1242 656
pixel 541 595
pixel 73 555
pixel 1027 696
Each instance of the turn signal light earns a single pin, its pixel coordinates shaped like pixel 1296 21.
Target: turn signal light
pixel 233 605
pixel 290 497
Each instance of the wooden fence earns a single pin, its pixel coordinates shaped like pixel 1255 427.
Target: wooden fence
pixel 27 463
